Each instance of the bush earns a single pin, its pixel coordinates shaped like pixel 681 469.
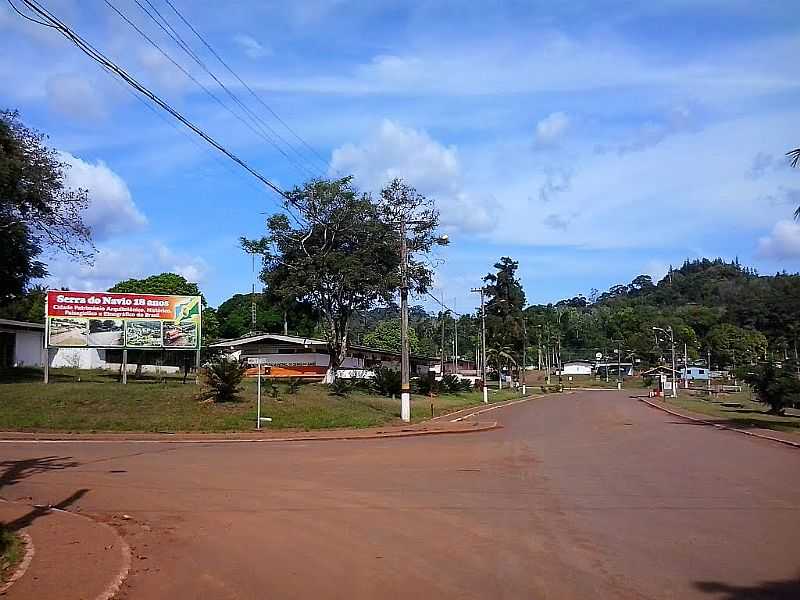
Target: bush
pixel 293 385
pixel 454 384
pixel 221 379
pixel 779 388
pixel 427 385
pixel 387 381
pixel 340 387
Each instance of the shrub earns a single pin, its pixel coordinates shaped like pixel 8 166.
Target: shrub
pixel 387 381
pixel 340 387
pixel 427 385
pixel 455 385
pixel 778 388
pixel 293 385
pixel 221 379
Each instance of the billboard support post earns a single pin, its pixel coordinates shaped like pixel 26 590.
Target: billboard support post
pixel 124 366
pixel 46 356
pixel 197 368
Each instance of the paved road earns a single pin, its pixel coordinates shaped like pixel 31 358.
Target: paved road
pixel 589 495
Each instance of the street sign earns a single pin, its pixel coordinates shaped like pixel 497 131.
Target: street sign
pixel 599 355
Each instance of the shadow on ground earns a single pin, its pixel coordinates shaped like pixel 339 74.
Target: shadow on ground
pixel 767 590
pixel 15 471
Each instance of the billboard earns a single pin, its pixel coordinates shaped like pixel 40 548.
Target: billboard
pixel 106 320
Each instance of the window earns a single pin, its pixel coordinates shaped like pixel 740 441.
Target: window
pixel 701 371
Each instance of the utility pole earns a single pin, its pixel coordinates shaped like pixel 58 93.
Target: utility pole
pixel 619 364
pixel 455 334
pixel 708 381
pixel 405 366
pixel 483 343
pixel 441 357
pixel 685 366
pixel 524 350
pixel 672 344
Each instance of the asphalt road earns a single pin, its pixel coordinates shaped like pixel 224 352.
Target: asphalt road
pixel 589 495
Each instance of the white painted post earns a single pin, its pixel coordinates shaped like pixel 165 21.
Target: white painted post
pixel 405 406
pixel 124 366
pixel 485 394
pixel 258 417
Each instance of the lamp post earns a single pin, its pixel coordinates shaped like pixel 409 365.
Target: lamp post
pixel 672 344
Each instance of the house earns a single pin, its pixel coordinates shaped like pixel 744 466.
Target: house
pixel 695 373
pixel 614 368
pixel 293 356
pixel 21 344
pixel 577 367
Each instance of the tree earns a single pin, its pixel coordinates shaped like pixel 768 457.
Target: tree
pixel 504 326
pixel 29 306
pixel 338 250
pixel 731 345
pixel 386 336
pixel 794 159
pixel 779 388
pixel 221 379
pixel 235 316
pixel 37 210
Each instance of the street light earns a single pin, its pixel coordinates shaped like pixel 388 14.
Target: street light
pixel 672 343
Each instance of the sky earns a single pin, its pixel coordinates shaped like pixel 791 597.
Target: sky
pixel 592 141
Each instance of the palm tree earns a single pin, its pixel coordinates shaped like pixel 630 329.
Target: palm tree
pixel 501 354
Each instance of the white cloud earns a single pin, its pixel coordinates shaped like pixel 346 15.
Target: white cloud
pixel 551 128
pixel 434 169
pixel 783 243
pixel 251 46
pixel 111 210
pixel 74 96
pixel 114 263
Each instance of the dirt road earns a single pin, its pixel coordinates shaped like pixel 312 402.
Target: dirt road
pixel 589 495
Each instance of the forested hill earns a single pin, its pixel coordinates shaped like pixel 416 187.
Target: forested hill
pixel 711 304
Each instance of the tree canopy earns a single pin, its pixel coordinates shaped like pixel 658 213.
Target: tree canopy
pixel 338 250
pixel 37 211
pixel 386 336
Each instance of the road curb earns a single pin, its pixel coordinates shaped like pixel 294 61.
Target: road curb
pixel 718 425
pixel 168 439
pixel 23 565
pixel 488 408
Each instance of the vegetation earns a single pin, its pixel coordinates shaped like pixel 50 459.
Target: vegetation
pixel 387 382
pixel 778 388
pixel 338 250
pixel 98 403
pixel 235 316
pixel 221 379
pixel 737 410
pixel 37 210
pixel 11 552
pixel 386 336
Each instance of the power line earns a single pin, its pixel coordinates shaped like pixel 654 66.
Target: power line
pixel 443 305
pixel 105 62
pixel 163 23
pixel 211 94
pixel 246 86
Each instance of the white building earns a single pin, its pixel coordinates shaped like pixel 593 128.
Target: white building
pixel 577 367
pixel 21 344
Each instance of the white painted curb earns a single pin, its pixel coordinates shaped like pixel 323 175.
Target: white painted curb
pixel 720 426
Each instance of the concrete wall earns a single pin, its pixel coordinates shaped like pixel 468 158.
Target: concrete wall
pixel 95 358
pixel 28 348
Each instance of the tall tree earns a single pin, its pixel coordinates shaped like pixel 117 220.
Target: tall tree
pixel 386 336
pixel 504 326
pixel 37 211
pixel 338 249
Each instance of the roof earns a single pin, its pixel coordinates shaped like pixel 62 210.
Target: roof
pixel 20 324
pixel 250 339
pixel 658 369
pixel 578 362
pixel 301 341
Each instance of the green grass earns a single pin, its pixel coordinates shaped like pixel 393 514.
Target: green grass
pixel 98 403
pixel 11 552
pixel 750 414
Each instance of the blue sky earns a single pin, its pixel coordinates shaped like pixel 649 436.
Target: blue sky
pixel 591 141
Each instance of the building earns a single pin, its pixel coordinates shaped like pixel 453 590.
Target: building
pixel 577 367
pixel 21 344
pixel 691 373
pixel 292 356
pixel 614 368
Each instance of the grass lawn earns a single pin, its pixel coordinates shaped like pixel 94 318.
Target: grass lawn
pixel 11 552
pixel 98 403
pixel 749 414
